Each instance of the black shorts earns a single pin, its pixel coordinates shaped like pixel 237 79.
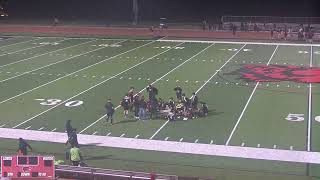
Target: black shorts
pixel 125 108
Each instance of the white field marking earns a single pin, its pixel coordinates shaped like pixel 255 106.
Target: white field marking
pixel 24 49
pixel 74 72
pixel 95 133
pixel 122 135
pixel 291 147
pixel 202 85
pixel 45 53
pixel 155 82
pixel 310 106
pixel 169 146
pixel 211 142
pixel 245 107
pixel 109 134
pixel 220 68
pixel 28 127
pixel 196 141
pixel 53 129
pixel 181 140
pixel 274 146
pixel 166 139
pixel 242 144
pixel 72 57
pixel 19 42
pixel 41 128
pixel 114 76
pixel 239 42
pixel 2 125
pixel 136 136
pixel 258 145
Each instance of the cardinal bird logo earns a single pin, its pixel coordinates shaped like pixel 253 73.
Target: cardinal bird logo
pixel 276 73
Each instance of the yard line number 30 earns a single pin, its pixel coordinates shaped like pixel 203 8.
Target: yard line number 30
pixel 53 102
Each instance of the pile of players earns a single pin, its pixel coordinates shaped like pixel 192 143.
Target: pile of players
pixel 153 107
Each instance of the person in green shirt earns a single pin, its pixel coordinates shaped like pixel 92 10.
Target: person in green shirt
pixel 75 156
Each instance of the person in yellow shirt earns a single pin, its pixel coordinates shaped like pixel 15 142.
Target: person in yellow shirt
pixel 75 156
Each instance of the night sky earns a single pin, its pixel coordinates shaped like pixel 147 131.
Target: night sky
pixel 153 9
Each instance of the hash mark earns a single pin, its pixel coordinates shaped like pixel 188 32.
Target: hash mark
pixel 28 127
pixel 136 136
pixel 211 142
pixel 109 134
pixel 41 128
pixel 258 145
pixel 166 139
pixel 291 147
pixel 274 146
pixel 122 135
pixel 2 125
pixel 181 140
pixel 196 141
pixel 53 129
pixel 95 133
pixel 242 144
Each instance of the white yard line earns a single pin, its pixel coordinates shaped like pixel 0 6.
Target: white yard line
pixel 53 64
pixel 168 146
pixel 74 72
pixel 112 77
pixel 45 53
pixel 37 38
pixel 153 81
pixel 310 106
pixel 239 42
pixel 23 49
pixel 245 107
pixel 206 82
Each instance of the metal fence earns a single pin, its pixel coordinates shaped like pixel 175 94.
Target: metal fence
pixel 271 19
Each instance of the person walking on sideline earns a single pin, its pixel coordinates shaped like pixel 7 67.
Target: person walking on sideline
pixel 23 145
pixel 69 128
pixel 110 110
pixel 73 139
pixel 75 156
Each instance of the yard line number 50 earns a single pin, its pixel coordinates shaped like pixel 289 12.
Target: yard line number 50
pixel 299 117
pixel 52 102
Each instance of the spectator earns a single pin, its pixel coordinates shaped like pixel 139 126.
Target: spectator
pixel 75 156
pixel 23 145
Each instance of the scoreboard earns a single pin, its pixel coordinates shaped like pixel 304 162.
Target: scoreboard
pixel 27 166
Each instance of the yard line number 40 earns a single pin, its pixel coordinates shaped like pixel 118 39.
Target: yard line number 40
pixel 53 102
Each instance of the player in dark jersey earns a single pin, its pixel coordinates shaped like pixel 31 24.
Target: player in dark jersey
pixel 178 90
pixel 136 106
pixel 125 105
pixel 110 110
pixel 194 101
pixel 152 92
pixel 131 97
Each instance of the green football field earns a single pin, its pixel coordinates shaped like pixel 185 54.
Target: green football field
pixel 260 95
